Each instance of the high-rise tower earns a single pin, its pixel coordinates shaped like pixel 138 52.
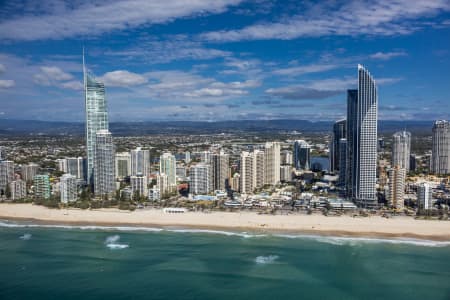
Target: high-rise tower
pixel 272 163
pixel 302 159
pixel 440 158
pixel 96 116
pixel 401 146
pixel 104 170
pixel 140 162
pixel 220 170
pixel 362 110
pixel 339 132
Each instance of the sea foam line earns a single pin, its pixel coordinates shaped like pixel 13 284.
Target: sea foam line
pixel 354 241
pixel 335 240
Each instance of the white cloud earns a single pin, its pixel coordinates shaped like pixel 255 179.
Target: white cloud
pixel 382 17
pixel 122 78
pixel 6 84
pixel 215 92
pixel 316 68
pixel 320 89
pixel 73 85
pixel 56 73
pixel 93 18
pixel 2 68
pixel 163 51
pixel 185 87
pixel 388 55
pixel 50 76
pixel 238 84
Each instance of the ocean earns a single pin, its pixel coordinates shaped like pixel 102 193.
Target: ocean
pixel 76 262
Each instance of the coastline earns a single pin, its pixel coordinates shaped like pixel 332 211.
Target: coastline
pixel 374 227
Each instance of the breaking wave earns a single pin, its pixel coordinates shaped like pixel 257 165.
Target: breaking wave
pixel 334 240
pixel 25 237
pixel 112 242
pixel 354 241
pixel 263 260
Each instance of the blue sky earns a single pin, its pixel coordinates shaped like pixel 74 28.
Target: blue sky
pixel 224 59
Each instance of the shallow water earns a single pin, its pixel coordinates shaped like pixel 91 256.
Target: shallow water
pixel 89 262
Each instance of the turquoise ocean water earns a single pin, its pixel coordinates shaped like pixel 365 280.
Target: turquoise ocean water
pixel 127 263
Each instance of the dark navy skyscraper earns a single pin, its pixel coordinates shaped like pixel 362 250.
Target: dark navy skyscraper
pixel 339 132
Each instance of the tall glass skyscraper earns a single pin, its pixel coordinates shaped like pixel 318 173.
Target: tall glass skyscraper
pixel 96 116
pixel 104 171
pixel 302 159
pixel 362 110
pixel 168 166
pixel 339 132
pixel 140 162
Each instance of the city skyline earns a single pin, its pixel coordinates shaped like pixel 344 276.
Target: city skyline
pixel 183 61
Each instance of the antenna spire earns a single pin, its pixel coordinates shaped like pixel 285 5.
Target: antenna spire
pixel 84 71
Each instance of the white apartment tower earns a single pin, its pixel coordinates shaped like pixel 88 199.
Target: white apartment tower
pixel 396 192
pixel 162 183
pixel 18 189
pixel 139 185
pixel 401 146
pixel 168 166
pixel 272 162
pixel 68 188
pixel 140 162
pixel 246 173
pixel 29 171
pixel 440 158
pixel 200 179
pixel 220 170
pixel 259 170
pixel 424 197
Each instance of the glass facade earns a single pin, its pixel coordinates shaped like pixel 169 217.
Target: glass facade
pixel 96 117
pixel 362 111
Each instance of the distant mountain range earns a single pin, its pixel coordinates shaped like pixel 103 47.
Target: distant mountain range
pixel 33 127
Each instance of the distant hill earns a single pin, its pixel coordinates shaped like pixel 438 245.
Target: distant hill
pixel 27 127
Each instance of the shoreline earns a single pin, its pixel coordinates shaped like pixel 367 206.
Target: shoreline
pixel 373 227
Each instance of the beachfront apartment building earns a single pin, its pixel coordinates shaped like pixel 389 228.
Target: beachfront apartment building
pixel 396 192
pixel 122 165
pixel 272 162
pixel 140 162
pixel 68 188
pixel 200 179
pixel 104 170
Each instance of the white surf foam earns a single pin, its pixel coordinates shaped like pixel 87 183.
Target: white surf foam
pixel 354 241
pixel 112 242
pixel 263 260
pixel 117 246
pixel 222 232
pixel 82 227
pixel 25 237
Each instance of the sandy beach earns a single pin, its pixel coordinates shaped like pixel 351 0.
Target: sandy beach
pixel 374 226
